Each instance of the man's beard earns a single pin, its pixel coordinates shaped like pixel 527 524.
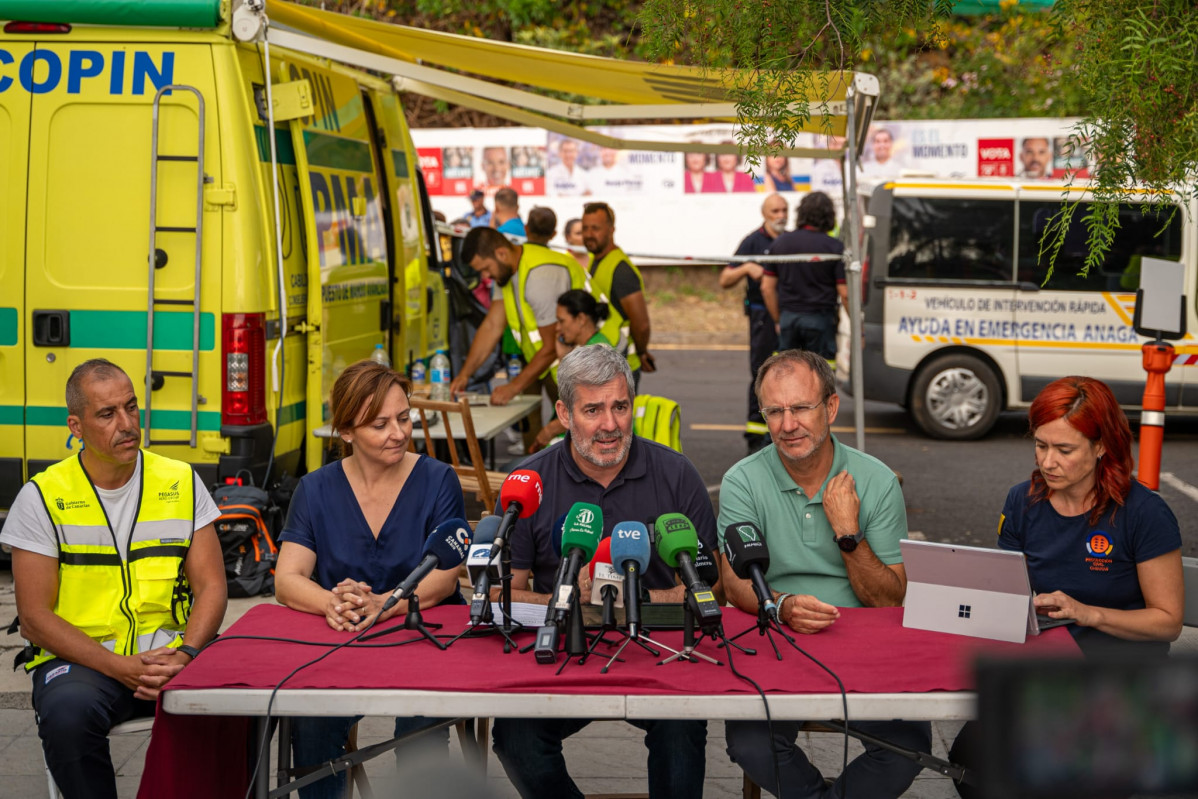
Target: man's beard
pixel 586 449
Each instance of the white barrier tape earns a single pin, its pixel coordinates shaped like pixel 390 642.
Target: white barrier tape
pixel 449 230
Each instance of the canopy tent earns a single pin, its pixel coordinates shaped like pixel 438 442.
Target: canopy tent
pixel 475 73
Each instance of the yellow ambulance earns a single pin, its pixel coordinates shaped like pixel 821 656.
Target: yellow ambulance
pixel 139 175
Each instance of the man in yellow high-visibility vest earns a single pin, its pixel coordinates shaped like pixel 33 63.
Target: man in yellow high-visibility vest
pixel 616 281
pixel 119 578
pixel 528 281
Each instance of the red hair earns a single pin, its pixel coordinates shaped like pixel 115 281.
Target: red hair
pixel 1090 408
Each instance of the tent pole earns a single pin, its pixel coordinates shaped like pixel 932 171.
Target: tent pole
pixel 852 270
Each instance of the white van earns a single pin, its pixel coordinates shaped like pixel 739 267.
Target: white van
pixel 959 322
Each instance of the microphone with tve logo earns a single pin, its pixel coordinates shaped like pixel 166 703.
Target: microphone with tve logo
pixel 749 558
pixel 445 548
pixel 630 552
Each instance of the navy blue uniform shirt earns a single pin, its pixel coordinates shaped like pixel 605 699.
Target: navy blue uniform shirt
pixel 655 481
pixel 325 517
pixel 1094 564
pixel 807 286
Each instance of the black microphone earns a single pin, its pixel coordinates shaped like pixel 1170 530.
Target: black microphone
pixel 549 634
pixel 445 548
pixel 479 566
pixel 749 558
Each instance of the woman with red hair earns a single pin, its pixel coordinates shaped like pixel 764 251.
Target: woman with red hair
pixel 1101 549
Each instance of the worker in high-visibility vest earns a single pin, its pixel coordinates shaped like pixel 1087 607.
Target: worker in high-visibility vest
pixel 118 574
pixel 528 281
pixel 616 281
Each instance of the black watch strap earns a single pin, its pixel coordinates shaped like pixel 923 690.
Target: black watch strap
pixel 848 543
pixel 191 651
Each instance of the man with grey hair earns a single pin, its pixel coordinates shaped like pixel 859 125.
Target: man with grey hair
pixel 832 517
pixel 631 479
pixel 92 538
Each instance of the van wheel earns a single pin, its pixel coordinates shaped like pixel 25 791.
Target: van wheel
pixel 956 397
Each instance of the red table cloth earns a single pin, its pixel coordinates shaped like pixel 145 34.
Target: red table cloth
pixel 868 648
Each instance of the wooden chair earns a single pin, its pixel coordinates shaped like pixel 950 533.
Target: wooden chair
pixel 474 477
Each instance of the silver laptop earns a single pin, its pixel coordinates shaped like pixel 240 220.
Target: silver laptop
pixel 973 591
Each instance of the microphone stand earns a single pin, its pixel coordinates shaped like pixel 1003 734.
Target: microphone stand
pixel 689 641
pixel 486 626
pixel 413 620
pixel 609 623
pixel 765 626
pixel 509 624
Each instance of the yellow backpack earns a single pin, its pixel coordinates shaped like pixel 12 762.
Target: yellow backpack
pixel 658 419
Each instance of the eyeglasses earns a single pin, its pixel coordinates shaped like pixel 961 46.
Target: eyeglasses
pixel 797 411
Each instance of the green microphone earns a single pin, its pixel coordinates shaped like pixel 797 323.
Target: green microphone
pixel 678 546
pixel 580 538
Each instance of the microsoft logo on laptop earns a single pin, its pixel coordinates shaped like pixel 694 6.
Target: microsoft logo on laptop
pixel 963 611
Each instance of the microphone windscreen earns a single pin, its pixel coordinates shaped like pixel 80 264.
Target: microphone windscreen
pixel 675 535
pixel 523 486
pixel 745 545
pixel 556 534
pixel 450 542
pixel 583 529
pixel 630 542
pixel 484 532
pixel 602 555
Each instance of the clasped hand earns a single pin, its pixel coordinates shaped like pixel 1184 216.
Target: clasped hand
pixel 353 605
pixel 148 672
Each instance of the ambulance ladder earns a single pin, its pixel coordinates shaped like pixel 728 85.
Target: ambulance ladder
pixel 155 378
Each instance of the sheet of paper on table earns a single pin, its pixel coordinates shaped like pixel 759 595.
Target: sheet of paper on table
pixel 526 613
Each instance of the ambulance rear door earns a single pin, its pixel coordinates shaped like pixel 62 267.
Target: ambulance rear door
pixel 88 233
pixel 14 155
pixel 349 291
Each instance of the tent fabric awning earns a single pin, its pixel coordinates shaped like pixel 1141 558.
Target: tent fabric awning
pixel 627 83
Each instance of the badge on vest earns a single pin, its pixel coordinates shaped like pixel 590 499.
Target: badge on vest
pixel 57 671
pixel 70 504
pixel 171 494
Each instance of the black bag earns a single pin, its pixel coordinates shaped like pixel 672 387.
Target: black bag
pixel 246 528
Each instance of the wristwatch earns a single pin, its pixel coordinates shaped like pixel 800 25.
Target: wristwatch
pixel 190 651
pixel 848 543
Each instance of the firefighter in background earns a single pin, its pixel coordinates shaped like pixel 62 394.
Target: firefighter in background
pixel 763 336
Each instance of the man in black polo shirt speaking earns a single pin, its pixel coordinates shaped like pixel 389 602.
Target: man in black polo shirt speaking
pixel 630 479
pixel 802 296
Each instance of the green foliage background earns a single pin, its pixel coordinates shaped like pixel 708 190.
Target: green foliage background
pixel 1014 63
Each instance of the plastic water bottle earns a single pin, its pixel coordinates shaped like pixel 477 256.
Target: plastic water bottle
pixel 513 367
pixel 380 356
pixel 439 373
pixel 418 374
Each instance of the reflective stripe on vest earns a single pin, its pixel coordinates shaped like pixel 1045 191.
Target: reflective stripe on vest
pixel 123 603
pixel 522 320
pixel 615 328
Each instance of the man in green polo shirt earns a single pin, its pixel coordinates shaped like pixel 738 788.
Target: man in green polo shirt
pixel 832 517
